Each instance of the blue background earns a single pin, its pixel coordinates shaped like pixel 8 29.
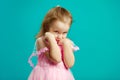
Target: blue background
pixel 95 29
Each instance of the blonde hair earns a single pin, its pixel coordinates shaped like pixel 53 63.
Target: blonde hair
pixel 56 13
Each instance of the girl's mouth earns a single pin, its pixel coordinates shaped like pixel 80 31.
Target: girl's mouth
pixel 58 41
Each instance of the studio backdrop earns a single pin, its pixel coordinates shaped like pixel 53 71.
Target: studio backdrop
pixel 95 29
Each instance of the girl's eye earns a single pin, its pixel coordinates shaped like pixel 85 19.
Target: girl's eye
pixel 56 31
pixel 65 33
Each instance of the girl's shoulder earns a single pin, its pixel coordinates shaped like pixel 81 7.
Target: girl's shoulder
pixel 40 43
pixel 38 49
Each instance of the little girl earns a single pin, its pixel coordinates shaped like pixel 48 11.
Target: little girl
pixel 53 48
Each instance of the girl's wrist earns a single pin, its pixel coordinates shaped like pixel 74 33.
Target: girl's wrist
pixel 66 44
pixel 66 41
pixel 52 40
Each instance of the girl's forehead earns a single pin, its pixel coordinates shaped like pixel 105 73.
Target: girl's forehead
pixel 60 25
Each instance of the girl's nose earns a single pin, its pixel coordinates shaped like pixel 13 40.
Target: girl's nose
pixel 60 36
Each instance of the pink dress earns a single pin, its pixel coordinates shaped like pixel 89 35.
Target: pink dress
pixel 47 70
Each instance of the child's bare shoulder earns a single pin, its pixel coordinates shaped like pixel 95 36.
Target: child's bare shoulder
pixel 40 43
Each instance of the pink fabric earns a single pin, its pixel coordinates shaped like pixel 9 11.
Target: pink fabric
pixel 36 54
pixel 47 70
pixel 75 48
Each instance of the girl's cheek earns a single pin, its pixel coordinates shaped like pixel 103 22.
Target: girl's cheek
pixel 64 36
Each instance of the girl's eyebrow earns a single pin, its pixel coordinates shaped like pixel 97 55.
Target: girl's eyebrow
pixel 65 32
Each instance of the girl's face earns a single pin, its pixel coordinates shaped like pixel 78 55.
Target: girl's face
pixel 59 30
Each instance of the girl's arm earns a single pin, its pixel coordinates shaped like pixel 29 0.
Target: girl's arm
pixel 68 56
pixel 54 50
pixel 53 54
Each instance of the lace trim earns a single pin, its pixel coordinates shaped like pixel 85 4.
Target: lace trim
pixel 37 53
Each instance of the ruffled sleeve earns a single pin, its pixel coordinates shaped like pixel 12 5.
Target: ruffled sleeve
pixel 36 53
pixel 75 47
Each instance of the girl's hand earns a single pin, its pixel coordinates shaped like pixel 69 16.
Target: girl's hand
pixel 65 41
pixel 49 37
